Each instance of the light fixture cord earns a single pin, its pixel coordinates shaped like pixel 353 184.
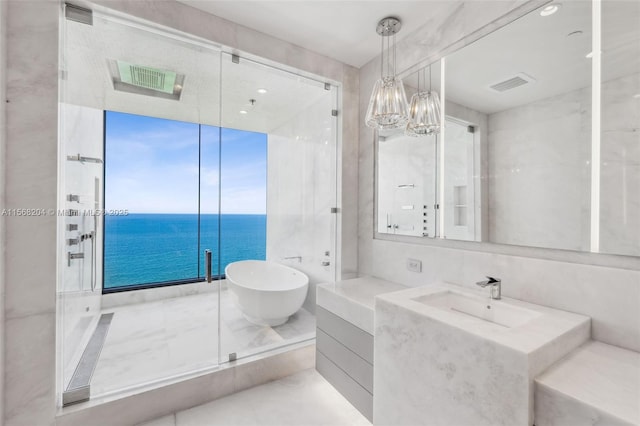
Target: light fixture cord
pixel 394 55
pixel 381 57
pixel 429 78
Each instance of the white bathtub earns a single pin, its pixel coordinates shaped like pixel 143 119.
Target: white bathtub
pixel 266 292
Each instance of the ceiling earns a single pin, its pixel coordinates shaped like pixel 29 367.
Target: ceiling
pixel 550 49
pixel 343 30
pixel 89 50
pixel 540 47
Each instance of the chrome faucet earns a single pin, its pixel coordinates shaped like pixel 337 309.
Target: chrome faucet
pixel 496 287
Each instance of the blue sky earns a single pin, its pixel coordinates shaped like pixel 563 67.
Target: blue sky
pixel 151 166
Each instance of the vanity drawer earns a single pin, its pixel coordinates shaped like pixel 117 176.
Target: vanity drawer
pixel 354 338
pixel 353 365
pixel 349 388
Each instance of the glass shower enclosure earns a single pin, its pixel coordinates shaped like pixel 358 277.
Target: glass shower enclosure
pixel 169 147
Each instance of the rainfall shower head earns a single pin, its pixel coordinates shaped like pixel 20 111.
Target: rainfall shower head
pixel 145 80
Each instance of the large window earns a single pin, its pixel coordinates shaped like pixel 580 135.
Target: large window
pixel 186 187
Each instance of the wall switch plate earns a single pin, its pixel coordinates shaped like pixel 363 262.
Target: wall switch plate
pixel 414 265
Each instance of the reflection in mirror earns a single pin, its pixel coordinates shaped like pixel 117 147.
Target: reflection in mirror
pixel 620 129
pixel 406 173
pixel 519 160
pixel 517 148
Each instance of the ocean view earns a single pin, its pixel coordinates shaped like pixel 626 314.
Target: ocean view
pixel 152 248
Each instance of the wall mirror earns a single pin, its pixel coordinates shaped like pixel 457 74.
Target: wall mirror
pixel 525 156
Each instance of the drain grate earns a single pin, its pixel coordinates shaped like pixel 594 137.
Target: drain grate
pixel 79 386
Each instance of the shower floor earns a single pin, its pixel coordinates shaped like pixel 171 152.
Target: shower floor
pixel 155 340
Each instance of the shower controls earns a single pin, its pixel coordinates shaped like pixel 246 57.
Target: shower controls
pixel 72 256
pixel 326 263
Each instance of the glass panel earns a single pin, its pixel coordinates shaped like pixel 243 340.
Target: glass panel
pixel 145 163
pixel 157 130
pixel 620 129
pixel 278 187
pixel 243 196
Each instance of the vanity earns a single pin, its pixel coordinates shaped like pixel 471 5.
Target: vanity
pixel 447 355
pixel 444 354
pixel 344 336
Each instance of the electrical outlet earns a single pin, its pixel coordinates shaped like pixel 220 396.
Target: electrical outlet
pixel 414 265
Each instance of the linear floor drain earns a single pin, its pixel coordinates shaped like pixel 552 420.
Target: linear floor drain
pixel 79 386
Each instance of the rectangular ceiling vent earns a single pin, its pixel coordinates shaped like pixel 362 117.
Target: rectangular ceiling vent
pixel 519 80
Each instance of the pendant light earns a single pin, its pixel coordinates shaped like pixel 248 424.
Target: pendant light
pixel 424 111
pixel 388 104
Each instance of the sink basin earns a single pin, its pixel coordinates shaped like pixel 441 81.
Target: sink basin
pixel 494 311
pixel 453 356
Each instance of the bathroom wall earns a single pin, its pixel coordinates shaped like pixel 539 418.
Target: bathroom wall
pixel 611 296
pixel 620 171
pixel 3 134
pixel 80 293
pixel 31 177
pixel 547 144
pixel 539 173
pixel 31 164
pixel 300 193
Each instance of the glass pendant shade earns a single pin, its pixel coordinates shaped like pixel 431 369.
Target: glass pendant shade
pixel 388 104
pixel 424 114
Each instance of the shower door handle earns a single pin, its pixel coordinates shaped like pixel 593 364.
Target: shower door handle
pixel 207 262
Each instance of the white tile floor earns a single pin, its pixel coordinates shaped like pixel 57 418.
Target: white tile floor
pixel 155 340
pixel 303 399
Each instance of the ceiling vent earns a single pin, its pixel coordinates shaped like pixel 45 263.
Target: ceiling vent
pixel 520 79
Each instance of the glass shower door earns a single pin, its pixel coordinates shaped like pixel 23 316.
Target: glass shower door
pixel 278 199
pixel 137 106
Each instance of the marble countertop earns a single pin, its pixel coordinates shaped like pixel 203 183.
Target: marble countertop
pixel 602 376
pixel 547 326
pixel 354 300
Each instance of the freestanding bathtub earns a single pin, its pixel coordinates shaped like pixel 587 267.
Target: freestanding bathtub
pixel 266 292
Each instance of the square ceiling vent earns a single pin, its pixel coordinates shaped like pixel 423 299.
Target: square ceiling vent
pixel 144 80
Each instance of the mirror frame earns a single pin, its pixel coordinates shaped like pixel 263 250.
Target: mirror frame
pixel 561 255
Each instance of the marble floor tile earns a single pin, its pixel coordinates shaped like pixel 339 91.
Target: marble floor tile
pixel 305 398
pixel 154 340
pixel 169 420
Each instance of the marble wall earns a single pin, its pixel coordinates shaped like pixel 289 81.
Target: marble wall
pixel 610 295
pixel 3 130
pixel 620 166
pixel 539 173
pixel 301 190
pixel 547 144
pixel 31 182
pixel 31 176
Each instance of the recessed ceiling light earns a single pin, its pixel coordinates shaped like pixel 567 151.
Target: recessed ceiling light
pixel 636 96
pixel 243 111
pixel 262 91
pixel 550 9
